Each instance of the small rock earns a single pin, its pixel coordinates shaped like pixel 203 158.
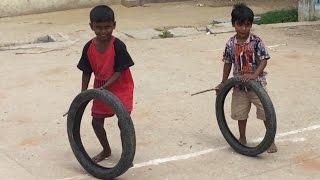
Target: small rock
pixel 256 20
pixel 201 28
pixel 200 5
pixel 215 22
pixel 181 143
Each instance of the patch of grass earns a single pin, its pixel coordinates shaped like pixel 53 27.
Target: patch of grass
pixel 314 19
pixel 165 33
pixel 279 16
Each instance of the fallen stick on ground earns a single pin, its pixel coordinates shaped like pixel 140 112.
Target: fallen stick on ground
pixel 277 45
pixel 40 52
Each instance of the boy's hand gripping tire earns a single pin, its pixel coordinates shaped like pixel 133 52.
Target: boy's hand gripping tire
pixel 125 124
pixel 271 124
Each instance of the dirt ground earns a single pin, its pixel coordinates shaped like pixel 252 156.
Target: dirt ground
pixel 177 135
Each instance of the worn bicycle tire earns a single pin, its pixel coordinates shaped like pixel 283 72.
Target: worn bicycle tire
pixel 271 123
pixel 125 124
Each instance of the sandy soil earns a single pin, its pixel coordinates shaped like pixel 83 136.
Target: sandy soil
pixel 36 89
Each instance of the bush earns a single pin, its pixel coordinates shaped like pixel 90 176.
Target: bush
pixel 279 16
pixel 165 34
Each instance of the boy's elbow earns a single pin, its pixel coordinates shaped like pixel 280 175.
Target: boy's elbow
pixel 228 65
pixel 264 62
pixel 85 74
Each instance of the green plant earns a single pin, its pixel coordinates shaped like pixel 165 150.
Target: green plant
pixel 165 33
pixel 279 16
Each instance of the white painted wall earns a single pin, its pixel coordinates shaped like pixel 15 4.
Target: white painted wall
pixel 308 10
pixel 317 9
pixel 22 7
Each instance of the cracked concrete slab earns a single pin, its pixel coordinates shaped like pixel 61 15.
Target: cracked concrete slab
pixel 10 169
pixel 183 32
pixel 148 33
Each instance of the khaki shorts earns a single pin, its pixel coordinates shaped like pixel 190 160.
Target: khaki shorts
pixel 241 105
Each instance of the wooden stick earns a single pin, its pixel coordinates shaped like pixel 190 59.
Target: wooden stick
pixel 207 90
pixel 65 114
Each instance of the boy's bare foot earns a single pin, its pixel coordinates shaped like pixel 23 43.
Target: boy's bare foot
pixel 273 148
pixel 243 141
pixel 101 156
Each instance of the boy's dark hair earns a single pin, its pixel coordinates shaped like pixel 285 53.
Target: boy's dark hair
pixel 241 13
pixel 101 13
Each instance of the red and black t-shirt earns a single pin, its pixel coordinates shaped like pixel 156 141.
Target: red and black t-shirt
pixel 103 64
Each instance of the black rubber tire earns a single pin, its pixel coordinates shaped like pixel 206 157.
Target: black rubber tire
pixel 125 124
pixel 270 114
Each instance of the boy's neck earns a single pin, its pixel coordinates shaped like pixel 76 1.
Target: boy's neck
pixel 103 41
pixel 242 40
pixel 102 45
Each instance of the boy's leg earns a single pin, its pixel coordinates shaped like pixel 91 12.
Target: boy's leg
pixel 242 131
pixel 261 115
pixel 98 127
pixel 273 148
pixel 240 107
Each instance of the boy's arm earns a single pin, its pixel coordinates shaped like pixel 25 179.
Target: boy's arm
pixel 85 81
pixel 85 67
pixel 112 79
pixel 123 61
pixel 226 71
pixel 259 70
pixel 227 59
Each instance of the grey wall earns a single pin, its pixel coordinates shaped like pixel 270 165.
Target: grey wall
pixel 22 7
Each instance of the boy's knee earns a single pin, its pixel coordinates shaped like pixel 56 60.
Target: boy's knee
pixel 97 123
pixel 261 115
pixel 239 116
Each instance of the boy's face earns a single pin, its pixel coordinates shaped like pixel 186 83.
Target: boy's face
pixel 243 29
pixel 103 30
